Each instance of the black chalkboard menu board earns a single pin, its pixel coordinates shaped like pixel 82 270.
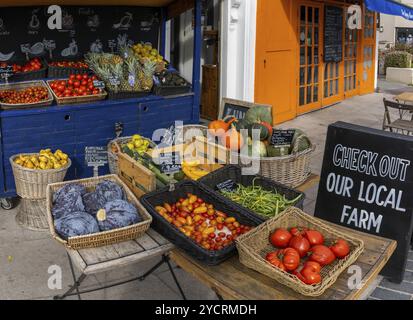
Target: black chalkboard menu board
pixel 24 31
pixel 367 184
pixel 333 34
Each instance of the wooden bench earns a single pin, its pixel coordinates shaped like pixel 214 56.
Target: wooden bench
pixel 103 259
pixel 400 125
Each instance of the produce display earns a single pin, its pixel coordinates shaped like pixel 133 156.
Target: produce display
pixel 76 212
pixel 195 170
pixel 266 203
pixel 147 52
pixel 69 64
pixel 167 78
pixel 237 135
pixel 210 228
pixel 45 160
pixel 77 85
pixel 122 74
pixel 138 144
pixel 304 252
pixel 24 96
pixel 34 64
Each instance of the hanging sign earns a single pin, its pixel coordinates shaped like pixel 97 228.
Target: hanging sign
pixel 367 184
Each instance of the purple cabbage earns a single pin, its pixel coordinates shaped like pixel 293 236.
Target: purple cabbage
pixel 119 214
pixel 76 224
pixel 110 191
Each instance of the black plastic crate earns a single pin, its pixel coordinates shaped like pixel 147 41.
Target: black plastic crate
pixel 233 173
pixel 169 231
pixel 64 72
pixel 169 90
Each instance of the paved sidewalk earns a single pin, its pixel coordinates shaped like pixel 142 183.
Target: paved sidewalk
pixel 25 256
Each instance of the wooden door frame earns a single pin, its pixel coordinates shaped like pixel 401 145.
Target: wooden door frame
pixel 314 105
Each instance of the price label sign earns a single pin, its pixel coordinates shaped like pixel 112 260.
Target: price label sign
pixel 6 72
pixel 96 157
pixel 170 163
pixel 281 138
pixel 114 81
pixel 226 186
pixel 98 84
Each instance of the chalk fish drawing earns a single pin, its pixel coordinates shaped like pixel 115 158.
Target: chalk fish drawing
pixel 36 49
pixel 125 22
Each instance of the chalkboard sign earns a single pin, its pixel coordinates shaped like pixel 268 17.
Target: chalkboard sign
pixel 170 162
pixel 96 156
pixel 282 137
pixel 24 31
pixel 367 184
pixel 226 186
pixel 333 34
pixel 236 108
pixel 98 84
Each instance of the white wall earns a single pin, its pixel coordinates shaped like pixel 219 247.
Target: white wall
pixel 238 34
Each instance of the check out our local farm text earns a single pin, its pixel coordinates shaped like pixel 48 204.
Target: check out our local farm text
pixel 370 164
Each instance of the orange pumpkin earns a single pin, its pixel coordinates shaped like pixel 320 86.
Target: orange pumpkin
pixel 233 140
pixel 218 128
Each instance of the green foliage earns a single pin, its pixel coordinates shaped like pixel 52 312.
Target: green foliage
pixel 398 59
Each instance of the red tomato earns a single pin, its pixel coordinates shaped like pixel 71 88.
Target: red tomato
pixel 62 83
pixel 273 259
pixel 310 277
pixel 83 82
pixel 85 76
pixel 340 248
pixel 94 78
pixel 91 87
pixel 298 231
pixel 322 254
pixel 79 77
pixel 70 82
pixel 314 237
pixel 67 91
pixel 290 258
pixel 76 84
pixel 60 88
pixel 300 244
pixel 96 91
pixel 280 238
pixel 72 77
pixel 315 266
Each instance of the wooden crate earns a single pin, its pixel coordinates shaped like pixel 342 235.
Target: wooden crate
pixel 215 153
pixel 137 177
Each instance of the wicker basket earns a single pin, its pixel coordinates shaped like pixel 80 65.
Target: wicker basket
pixel 102 238
pixel 254 246
pixel 291 171
pixel 32 183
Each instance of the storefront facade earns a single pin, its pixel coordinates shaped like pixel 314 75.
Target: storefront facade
pixel 290 70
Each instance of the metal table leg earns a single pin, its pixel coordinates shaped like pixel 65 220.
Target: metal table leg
pixel 76 283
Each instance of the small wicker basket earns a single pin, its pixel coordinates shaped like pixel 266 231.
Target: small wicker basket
pixel 291 171
pixel 102 238
pixel 32 183
pixel 255 245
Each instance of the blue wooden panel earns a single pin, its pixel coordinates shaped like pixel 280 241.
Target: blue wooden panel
pixel 55 122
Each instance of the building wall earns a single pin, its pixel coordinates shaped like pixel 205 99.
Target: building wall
pixel 390 23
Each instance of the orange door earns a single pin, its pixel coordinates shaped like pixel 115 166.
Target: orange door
pixel 310 50
pixel 276 67
pixel 367 67
pixel 351 61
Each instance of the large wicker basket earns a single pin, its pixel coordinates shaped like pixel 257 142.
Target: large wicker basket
pixel 255 245
pixel 113 156
pixel 291 171
pixel 102 238
pixel 32 183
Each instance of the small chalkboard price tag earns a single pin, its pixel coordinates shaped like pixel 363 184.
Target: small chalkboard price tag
pixel 6 72
pixel 96 157
pixel 98 84
pixel 114 81
pixel 170 163
pixel 282 138
pixel 226 186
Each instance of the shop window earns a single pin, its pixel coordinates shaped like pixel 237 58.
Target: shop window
pixel 404 35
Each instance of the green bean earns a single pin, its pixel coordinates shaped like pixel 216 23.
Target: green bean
pixel 256 198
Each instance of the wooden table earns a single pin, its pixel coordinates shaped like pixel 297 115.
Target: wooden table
pixel 233 281
pixel 405 96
